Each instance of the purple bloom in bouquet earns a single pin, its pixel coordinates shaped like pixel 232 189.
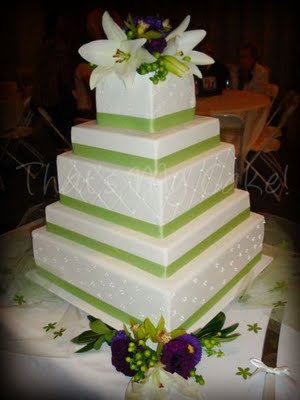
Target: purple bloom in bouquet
pixel 182 354
pixel 154 22
pixel 156 45
pixel 119 352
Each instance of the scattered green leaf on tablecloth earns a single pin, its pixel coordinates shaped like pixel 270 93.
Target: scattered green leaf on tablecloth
pixel 279 303
pixel 254 327
pixel 279 285
pixel 244 372
pixel 51 325
pixel 19 299
pixel 58 333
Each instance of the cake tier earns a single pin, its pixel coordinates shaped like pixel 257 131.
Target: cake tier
pixel 154 152
pixel 161 257
pixel 120 290
pixel 154 204
pixel 145 106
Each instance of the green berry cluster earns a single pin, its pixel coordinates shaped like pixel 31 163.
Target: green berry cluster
pixel 209 345
pixel 141 359
pixel 158 67
pixel 198 378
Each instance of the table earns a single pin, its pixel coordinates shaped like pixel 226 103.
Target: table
pixel 252 107
pixel 36 366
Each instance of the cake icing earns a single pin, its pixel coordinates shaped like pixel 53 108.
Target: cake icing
pixel 148 223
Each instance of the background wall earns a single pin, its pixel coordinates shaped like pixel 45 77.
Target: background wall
pixel 273 26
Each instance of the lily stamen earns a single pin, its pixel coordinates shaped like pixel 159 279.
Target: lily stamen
pixel 121 55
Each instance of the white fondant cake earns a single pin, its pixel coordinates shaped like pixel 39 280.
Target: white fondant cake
pixel 144 99
pixel 163 252
pixel 141 294
pixel 155 199
pixel 148 224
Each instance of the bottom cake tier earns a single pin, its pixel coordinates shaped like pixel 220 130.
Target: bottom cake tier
pixel 115 291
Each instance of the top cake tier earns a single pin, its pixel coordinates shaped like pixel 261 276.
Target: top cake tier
pixel 145 106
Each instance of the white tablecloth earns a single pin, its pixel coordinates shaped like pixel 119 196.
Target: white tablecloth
pixel 40 367
pixel 253 108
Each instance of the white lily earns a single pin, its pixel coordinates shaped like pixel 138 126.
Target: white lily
pixel 160 384
pixel 116 54
pixel 181 43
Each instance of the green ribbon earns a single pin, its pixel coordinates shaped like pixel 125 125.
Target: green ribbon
pixel 145 124
pixel 142 263
pixel 146 227
pixel 125 317
pixel 88 298
pixel 144 163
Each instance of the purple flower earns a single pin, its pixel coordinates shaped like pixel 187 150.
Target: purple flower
pixel 181 354
pixel 154 22
pixel 156 45
pixel 119 352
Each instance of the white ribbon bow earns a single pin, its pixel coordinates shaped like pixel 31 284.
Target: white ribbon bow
pixel 276 371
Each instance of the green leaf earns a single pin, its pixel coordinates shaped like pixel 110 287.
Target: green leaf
pixel 88 347
pixel 228 338
pixel 91 318
pixel 150 328
pixel 229 329
pixel 177 332
pixel 212 327
pixel 109 335
pixel 85 337
pixel 160 325
pixel 152 35
pixel 99 327
pixel 127 331
pixel 99 342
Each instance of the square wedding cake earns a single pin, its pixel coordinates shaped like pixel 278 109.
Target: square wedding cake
pixel 149 223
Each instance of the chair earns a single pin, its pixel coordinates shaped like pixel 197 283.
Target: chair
pixel 15 128
pixel 267 144
pixel 272 92
pixel 50 122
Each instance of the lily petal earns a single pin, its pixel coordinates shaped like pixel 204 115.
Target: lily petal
pixel 111 29
pixel 99 52
pixel 188 40
pixel 143 56
pixel 132 46
pixel 97 74
pixel 200 58
pixel 171 48
pixel 180 28
pixel 126 71
pixel 194 69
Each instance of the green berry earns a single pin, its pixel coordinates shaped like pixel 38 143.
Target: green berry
pixel 147 353
pixel 128 359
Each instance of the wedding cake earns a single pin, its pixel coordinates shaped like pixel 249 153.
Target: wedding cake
pixel 149 223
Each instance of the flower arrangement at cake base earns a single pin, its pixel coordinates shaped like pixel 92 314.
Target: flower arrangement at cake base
pixel 161 364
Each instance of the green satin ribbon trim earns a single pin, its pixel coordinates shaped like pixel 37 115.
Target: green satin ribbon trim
pixel 88 298
pixel 144 163
pixel 142 263
pixel 124 317
pixel 146 227
pixel 145 124
pixel 221 293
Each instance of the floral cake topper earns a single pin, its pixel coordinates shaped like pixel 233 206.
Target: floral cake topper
pixel 147 46
pixel 160 363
